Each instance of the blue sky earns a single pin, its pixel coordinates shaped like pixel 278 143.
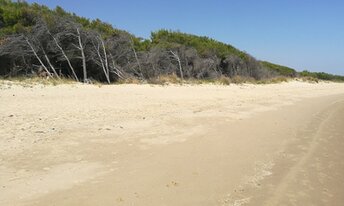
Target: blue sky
pixel 303 34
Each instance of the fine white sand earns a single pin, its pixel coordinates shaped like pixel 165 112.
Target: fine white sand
pixel 277 144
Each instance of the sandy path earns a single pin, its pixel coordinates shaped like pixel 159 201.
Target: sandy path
pixel 176 145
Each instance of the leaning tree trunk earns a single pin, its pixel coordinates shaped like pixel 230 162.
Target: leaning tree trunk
pixel 106 60
pixel 65 56
pixel 82 55
pixel 179 64
pixel 36 55
pixel 116 70
pixel 103 65
pixel 136 57
pixel 51 66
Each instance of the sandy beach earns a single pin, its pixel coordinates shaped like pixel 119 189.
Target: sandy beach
pixel 150 145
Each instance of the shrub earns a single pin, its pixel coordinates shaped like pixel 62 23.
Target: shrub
pixel 224 80
pixel 241 80
pixel 165 79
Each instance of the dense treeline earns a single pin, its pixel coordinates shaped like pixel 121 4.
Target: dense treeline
pixel 35 40
pixel 281 70
pixel 322 76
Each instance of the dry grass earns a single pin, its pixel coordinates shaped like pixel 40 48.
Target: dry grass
pixel 310 79
pixel 130 80
pixel 29 82
pixel 166 79
pixel 161 80
pixel 242 80
pixel 275 80
pixel 224 80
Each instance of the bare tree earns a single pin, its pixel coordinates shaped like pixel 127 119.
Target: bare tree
pixel 36 55
pixel 82 51
pixel 158 62
pixel 57 43
pixel 120 50
pixel 105 59
pixel 115 69
pixel 176 57
pixel 136 57
pixel 100 55
pixel 40 38
pixel 77 38
pixel 19 46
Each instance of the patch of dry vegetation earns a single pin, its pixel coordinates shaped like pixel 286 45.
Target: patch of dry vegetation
pixel 29 82
pixel 166 79
pixel 310 79
pixel 130 80
pixel 275 80
pixel 160 80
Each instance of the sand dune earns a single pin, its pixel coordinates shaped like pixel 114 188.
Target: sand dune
pixel 278 144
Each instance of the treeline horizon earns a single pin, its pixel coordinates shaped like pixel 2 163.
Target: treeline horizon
pixel 38 41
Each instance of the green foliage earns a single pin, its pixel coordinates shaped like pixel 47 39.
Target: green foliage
pixel 142 45
pixel 60 11
pixel 280 70
pixel 205 46
pixel 322 76
pixel 18 16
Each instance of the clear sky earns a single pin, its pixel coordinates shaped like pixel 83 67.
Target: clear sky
pixel 303 34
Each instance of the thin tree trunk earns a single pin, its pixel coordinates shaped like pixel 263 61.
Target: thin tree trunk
pixel 106 59
pixel 114 66
pixel 39 59
pixel 136 57
pixel 51 66
pixel 65 56
pixel 179 63
pixel 101 62
pixel 117 71
pixel 82 55
pixel 25 63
